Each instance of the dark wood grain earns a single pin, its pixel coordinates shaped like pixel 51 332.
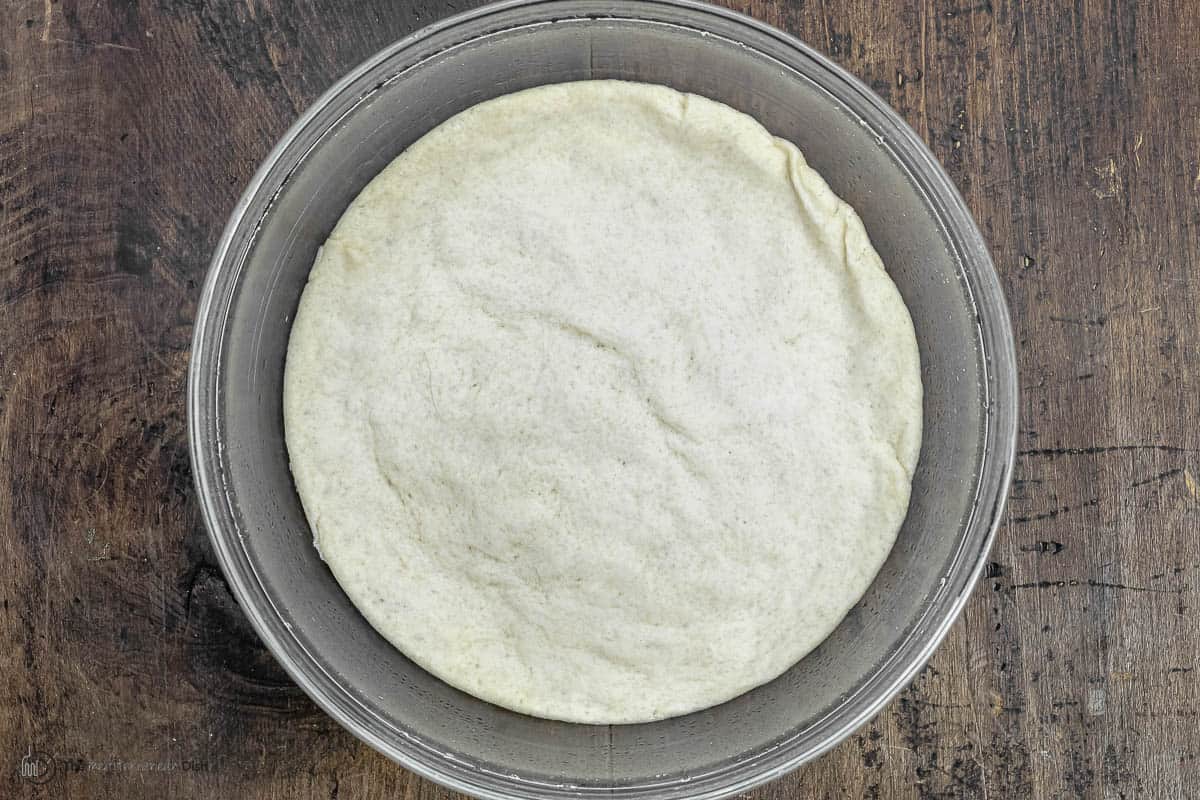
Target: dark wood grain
pixel 127 130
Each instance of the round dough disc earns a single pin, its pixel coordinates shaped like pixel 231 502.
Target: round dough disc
pixel 600 403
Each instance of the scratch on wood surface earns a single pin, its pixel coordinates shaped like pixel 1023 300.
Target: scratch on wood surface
pixel 97 45
pixel 1110 180
pixel 115 46
pixel 1055 452
pixel 100 484
pixel 49 11
pixel 1190 482
pixel 1159 478
pixel 1051 514
pixel 151 350
pixel 1094 584
pixel 1137 145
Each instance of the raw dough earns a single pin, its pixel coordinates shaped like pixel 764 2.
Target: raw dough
pixel 600 403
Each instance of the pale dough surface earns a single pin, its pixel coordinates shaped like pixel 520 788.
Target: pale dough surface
pixel 600 403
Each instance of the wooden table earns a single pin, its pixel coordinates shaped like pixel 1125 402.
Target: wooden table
pixel 127 131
